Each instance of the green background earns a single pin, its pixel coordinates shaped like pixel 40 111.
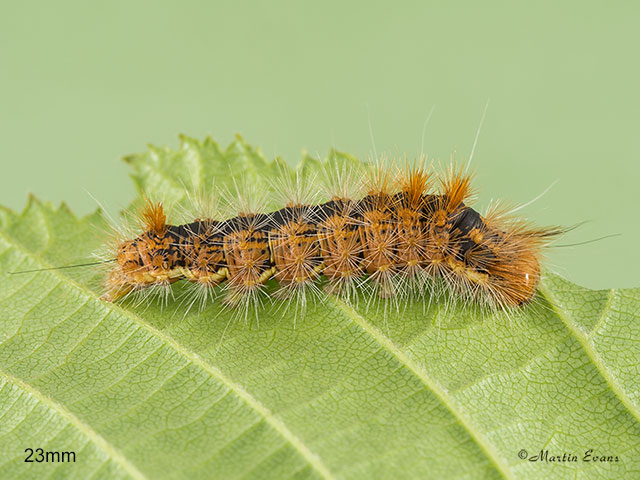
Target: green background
pixel 83 83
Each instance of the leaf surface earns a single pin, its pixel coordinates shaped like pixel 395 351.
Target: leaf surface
pixel 437 391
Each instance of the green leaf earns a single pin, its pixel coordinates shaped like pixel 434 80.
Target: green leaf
pixel 438 391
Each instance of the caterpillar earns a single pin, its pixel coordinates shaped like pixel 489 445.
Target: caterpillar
pixel 409 229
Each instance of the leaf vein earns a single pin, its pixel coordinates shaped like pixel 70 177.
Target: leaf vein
pixel 81 426
pixel 592 353
pixel 488 448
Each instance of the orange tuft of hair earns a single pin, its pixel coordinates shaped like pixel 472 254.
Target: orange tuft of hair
pixel 154 218
pixel 415 184
pixel 456 187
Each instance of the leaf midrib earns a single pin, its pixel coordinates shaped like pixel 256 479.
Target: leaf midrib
pixel 253 403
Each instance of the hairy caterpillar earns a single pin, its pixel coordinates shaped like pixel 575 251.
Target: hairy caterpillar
pixel 409 229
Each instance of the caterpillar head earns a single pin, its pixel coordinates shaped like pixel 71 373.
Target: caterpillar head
pixel 143 261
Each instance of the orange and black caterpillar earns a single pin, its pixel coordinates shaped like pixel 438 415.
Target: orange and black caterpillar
pixel 397 238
